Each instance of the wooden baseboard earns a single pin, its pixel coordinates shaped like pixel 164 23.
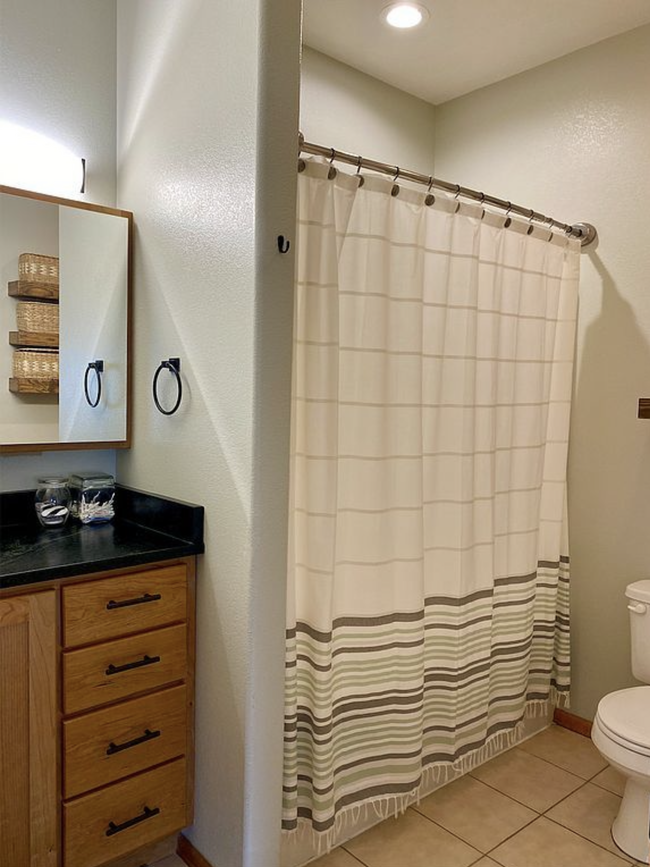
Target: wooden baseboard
pixel 192 857
pixel 571 721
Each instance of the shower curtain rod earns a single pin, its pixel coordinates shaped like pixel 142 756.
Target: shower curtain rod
pixel 584 231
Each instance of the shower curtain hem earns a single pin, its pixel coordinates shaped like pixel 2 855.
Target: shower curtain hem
pixel 433 777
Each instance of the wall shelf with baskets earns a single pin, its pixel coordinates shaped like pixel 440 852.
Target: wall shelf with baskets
pixel 36 342
pixel 45 339
pixel 24 289
pixel 27 385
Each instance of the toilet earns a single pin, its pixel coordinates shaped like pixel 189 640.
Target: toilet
pixel 621 733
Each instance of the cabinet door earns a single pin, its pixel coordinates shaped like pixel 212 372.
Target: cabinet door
pixel 28 731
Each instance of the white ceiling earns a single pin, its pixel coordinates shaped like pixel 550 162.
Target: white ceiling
pixel 466 44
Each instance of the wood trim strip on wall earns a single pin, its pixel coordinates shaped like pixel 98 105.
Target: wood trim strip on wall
pixel 192 857
pixel 572 722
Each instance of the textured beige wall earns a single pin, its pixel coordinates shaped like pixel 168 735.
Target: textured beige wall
pixel 571 139
pixel 208 115
pixel 343 108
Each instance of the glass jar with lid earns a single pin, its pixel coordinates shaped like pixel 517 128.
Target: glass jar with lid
pixel 93 497
pixel 52 501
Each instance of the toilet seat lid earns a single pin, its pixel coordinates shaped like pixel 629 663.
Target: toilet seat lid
pixel 625 716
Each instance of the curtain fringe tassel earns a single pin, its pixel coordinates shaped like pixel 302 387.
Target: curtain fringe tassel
pixel 433 777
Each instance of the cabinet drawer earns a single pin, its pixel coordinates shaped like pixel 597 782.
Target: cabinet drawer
pixel 107 745
pixel 108 672
pixel 113 607
pixel 125 816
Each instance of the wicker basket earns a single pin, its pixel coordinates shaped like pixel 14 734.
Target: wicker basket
pixel 34 268
pixel 37 316
pixel 36 364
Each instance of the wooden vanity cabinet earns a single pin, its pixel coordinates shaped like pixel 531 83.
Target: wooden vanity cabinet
pixel 96 718
pixel 29 804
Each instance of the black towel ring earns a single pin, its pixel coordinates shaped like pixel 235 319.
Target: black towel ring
pixel 174 366
pixel 98 368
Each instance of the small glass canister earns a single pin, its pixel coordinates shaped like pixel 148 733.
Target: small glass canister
pixel 52 501
pixel 93 497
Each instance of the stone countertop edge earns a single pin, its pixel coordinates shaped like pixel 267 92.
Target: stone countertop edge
pixel 146 528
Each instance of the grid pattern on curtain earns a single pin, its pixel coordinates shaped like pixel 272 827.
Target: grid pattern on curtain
pixel 428 563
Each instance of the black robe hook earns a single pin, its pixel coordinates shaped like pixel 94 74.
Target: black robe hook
pixel 283 244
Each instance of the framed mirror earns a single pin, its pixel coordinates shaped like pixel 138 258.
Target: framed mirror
pixel 65 337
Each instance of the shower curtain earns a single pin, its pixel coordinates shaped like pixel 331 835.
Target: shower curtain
pixel 428 608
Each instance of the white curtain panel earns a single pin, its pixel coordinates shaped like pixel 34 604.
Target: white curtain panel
pixel 428 561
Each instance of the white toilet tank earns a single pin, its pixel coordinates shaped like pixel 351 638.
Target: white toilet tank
pixel 638 603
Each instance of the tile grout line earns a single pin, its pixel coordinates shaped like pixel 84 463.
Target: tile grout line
pixel 494 789
pixel 560 825
pixel 604 788
pixel 539 814
pixel 351 854
pixel 552 764
pixel 561 767
pixel 433 822
pixel 483 854
pixel 438 825
pixel 550 819
pixel 590 779
pixel 566 797
pixel 477 861
pixel 514 834
pixel 623 855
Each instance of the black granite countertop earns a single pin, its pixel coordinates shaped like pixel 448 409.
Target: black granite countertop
pixel 147 528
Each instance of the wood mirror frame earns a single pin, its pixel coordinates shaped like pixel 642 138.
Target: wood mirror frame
pixel 27 447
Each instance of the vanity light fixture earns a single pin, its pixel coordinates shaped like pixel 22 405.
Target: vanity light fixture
pixel 405 15
pixel 31 161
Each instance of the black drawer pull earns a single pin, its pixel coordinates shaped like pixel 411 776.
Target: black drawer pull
pixel 117 748
pixel 148 597
pixel 147 814
pixel 139 663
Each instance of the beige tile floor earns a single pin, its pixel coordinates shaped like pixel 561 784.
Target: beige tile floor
pixel 549 802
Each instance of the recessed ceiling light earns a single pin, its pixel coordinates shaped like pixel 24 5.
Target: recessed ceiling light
pixel 405 15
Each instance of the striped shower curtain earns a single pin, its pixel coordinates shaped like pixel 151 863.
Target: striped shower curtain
pixel 428 562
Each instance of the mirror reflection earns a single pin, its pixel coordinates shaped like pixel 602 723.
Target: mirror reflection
pixel 64 268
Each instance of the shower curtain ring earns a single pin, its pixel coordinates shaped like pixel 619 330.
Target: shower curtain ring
pixel 395 190
pixel 531 228
pixel 332 172
pixel 456 194
pixel 429 198
pixel 362 180
pixel 550 222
